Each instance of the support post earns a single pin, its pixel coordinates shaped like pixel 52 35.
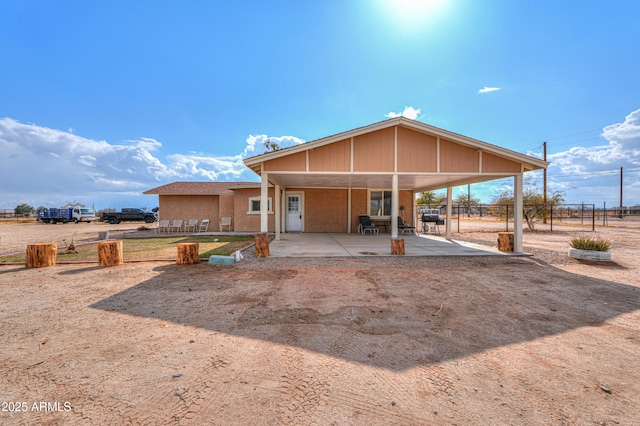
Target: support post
pixel 517 213
pixel 447 225
pixel 264 202
pixel 394 206
pixel 278 215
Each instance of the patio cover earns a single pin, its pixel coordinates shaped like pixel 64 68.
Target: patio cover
pixel 398 154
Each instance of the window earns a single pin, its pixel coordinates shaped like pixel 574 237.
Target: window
pixel 379 203
pixel 254 205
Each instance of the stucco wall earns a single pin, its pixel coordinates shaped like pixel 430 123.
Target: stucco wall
pixel 244 222
pixel 188 207
pixel 325 210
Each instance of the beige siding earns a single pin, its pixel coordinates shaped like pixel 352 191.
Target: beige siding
pixel 417 152
pixel 455 158
pixel 492 163
pixel 373 152
pixel 335 157
pixel 188 207
pixel 325 210
pixel 242 220
pixel 294 162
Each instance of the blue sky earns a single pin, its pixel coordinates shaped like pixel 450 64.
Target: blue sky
pixel 100 101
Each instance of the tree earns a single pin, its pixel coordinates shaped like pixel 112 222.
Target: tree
pixel 463 200
pixel 534 208
pixel 271 146
pixel 430 198
pixel 24 209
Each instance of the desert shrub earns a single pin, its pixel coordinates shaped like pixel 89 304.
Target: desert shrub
pixel 588 243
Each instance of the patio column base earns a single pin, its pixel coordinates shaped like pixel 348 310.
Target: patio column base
pixel 397 246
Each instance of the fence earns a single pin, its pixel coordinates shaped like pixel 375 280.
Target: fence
pixel 538 217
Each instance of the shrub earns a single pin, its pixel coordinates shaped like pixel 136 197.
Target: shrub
pixel 589 243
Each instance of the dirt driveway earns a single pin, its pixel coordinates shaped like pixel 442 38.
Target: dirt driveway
pixel 375 341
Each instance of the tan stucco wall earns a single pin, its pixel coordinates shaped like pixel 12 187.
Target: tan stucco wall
pixel 243 222
pixel 325 210
pixel 188 207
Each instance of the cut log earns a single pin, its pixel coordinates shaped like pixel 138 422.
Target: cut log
pixel 505 241
pixel 262 244
pixel 188 254
pixel 110 253
pixel 41 255
pixel 397 246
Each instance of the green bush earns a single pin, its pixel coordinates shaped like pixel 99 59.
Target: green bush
pixel 589 243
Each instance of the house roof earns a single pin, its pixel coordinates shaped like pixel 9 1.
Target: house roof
pixel 200 188
pixel 535 163
pixel 362 178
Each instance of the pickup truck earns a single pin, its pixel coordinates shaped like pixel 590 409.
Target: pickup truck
pixel 128 215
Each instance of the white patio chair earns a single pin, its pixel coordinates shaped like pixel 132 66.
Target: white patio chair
pixel 163 225
pixel 225 221
pixel 204 225
pixel 192 225
pixel 176 224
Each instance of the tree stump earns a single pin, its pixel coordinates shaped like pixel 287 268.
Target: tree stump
pixel 41 255
pixel 397 246
pixel 188 254
pixel 110 253
pixel 262 244
pixel 505 241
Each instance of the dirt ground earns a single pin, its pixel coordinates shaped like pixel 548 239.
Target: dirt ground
pixel 376 341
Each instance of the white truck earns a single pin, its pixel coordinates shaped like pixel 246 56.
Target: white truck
pixel 66 214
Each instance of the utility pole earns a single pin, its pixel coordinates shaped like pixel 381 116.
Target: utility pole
pixel 621 213
pixel 544 183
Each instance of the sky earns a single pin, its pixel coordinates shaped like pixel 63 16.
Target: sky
pixel 100 101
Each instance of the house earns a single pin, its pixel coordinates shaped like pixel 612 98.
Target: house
pixel 324 185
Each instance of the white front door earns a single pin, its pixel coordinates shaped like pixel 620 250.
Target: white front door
pixel 294 213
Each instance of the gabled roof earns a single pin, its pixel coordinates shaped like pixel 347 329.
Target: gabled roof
pixel 532 162
pixel 200 188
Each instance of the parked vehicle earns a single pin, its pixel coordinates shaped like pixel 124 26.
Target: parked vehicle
pixel 66 214
pixel 128 215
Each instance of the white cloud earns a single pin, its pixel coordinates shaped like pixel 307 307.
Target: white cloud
pixel 408 112
pixel 42 165
pixel 594 171
pixel 486 89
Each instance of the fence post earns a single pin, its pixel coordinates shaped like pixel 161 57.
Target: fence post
pixel 507 217
pixel 551 217
pixel 593 219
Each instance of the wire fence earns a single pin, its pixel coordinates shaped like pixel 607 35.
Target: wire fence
pixel 536 217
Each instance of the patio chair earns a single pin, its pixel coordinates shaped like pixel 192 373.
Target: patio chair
pixel 224 221
pixel 176 224
pixel 192 225
pixel 162 225
pixel 404 226
pixel 366 225
pixel 204 225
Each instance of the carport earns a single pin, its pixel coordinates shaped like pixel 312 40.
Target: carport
pixel 375 170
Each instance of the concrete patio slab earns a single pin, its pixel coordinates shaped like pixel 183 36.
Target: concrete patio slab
pixel 346 245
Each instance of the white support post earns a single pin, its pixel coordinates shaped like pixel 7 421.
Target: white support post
pixel 278 216
pixel 447 225
pixel 349 210
pixel 517 214
pixel 264 203
pixel 394 206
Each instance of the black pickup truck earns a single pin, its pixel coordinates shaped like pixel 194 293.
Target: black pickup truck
pixel 129 215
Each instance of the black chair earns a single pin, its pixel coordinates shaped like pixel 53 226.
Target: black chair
pixel 366 225
pixel 404 226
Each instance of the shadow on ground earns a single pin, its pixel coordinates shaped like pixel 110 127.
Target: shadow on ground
pixel 392 318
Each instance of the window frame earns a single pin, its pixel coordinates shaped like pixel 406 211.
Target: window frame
pixel 269 205
pixel 382 200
